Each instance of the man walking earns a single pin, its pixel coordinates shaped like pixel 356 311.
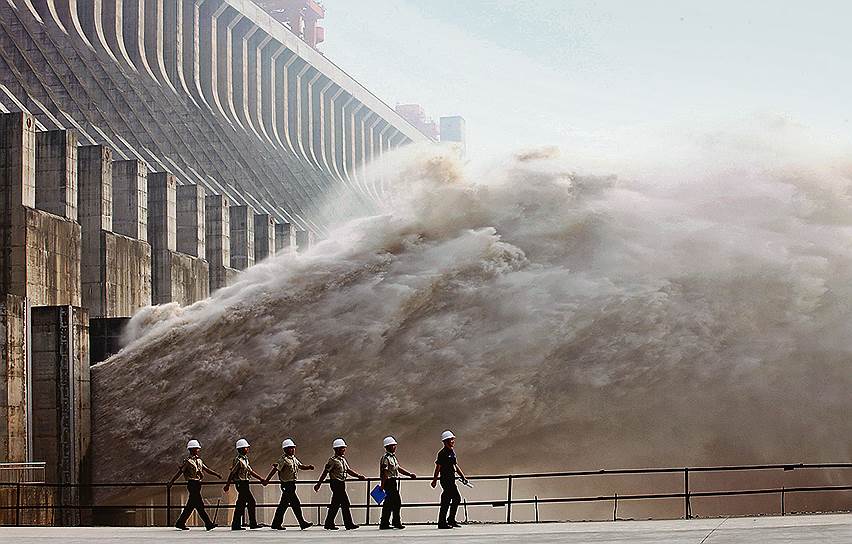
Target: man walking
pixel 446 468
pixel 193 469
pixel 337 468
pixel 390 470
pixel 288 467
pixel 241 472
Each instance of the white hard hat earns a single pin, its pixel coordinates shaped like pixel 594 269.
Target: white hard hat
pixel 288 443
pixel 338 443
pixel 242 443
pixel 446 435
pixel 388 441
pixel 192 444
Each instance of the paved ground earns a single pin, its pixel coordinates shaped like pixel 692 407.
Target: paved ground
pixel 826 529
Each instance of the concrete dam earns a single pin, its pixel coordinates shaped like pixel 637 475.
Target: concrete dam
pixel 208 230
pixel 216 92
pixel 149 151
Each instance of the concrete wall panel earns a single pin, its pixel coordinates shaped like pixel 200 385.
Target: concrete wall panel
pixel 162 211
pixel 13 380
pixel 17 189
pixel 130 199
pixel 127 275
pixel 264 236
pixel 56 172
pixel 180 278
pixel 285 238
pixel 45 255
pixel 190 220
pixel 17 162
pixel 304 240
pixel 95 166
pixel 218 241
pixel 62 398
pixel 242 237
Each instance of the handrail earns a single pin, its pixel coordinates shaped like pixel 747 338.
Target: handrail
pixel 505 502
pixel 21 472
pixel 532 475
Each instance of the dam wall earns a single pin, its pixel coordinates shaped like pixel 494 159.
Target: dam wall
pixel 215 92
pixel 85 242
pixel 149 151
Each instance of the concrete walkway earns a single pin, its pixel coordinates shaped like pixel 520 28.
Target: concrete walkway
pixel 825 529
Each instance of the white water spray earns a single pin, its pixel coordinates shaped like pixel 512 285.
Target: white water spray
pixel 552 320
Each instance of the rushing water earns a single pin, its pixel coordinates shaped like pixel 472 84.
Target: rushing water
pixel 552 320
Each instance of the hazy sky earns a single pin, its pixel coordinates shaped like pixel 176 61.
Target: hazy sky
pixel 526 73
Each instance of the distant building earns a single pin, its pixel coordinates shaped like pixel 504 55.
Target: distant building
pixel 453 130
pixel 300 16
pixel 416 115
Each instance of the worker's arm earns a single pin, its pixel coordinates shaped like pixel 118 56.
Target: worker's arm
pixel 306 467
pixel 209 470
pixel 271 472
pixel 382 474
pixel 407 473
pixel 358 475
pixel 321 478
pixel 230 477
pixel 177 474
pixel 435 476
pixel 258 476
pixel 459 470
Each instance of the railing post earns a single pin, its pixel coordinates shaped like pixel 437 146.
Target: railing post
pixel 687 510
pixel 783 508
pixel 536 508
pixel 168 505
pixel 615 509
pixel 18 503
pixel 367 517
pixel 509 502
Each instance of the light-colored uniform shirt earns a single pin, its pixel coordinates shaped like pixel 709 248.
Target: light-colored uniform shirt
pixel 192 468
pixel 337 467
pixel 288 468
pixel 389 466
pixel 243 468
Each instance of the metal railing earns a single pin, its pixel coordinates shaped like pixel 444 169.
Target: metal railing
pixel 13 473
pixel 686 492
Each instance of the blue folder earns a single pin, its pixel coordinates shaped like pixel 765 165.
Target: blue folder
pixel 378 494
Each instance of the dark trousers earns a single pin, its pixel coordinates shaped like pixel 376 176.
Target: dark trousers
pixel 339 501
pixel 288 498
pixel 450 500
pixel 244 500
pixel 392 503
pixel 194 502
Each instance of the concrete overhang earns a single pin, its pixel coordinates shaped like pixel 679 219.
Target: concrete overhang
pixel 330 70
